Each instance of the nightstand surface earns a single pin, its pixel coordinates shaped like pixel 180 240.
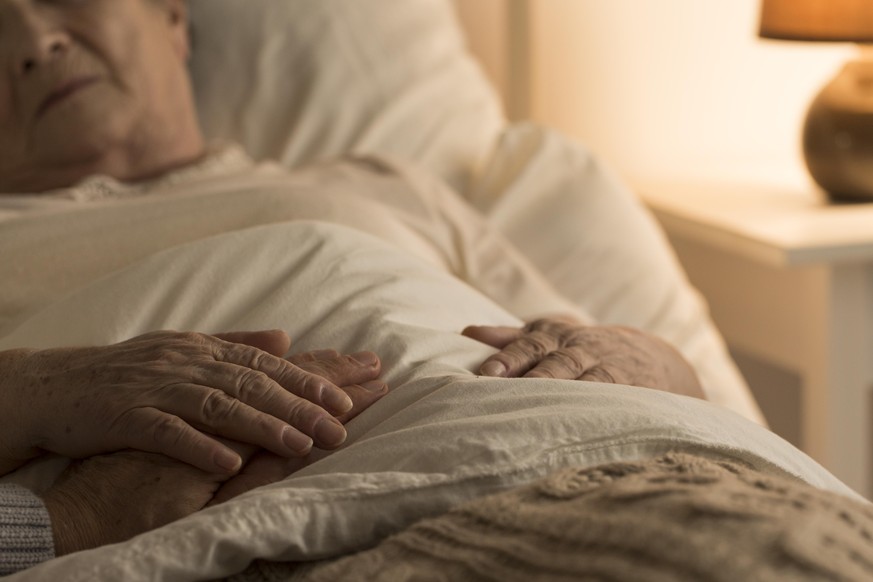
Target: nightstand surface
pixel 781 226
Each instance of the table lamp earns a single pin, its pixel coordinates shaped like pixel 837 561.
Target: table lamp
pixel 838 132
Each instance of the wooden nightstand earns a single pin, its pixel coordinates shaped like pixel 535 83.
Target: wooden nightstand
pixel 789 281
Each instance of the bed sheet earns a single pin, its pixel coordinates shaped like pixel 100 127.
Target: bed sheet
pixel 441 436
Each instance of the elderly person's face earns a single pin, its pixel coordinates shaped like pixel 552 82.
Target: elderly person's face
pixel 93 86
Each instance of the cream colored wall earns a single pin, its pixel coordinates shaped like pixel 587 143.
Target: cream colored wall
pixel 673 87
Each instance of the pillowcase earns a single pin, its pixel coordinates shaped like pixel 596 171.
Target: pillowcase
pixel 303 80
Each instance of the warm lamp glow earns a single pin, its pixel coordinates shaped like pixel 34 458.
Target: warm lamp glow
pixel 838 132
pixel 818 20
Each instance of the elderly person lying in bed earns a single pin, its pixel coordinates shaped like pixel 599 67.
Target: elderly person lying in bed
pixel 97 107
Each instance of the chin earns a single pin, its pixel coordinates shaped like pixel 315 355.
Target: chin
pixel 87 137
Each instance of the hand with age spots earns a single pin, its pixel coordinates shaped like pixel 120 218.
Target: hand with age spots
pixel 168 393
pixel 562 348
pixel 112 498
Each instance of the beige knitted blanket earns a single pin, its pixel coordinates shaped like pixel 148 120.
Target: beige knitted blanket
pixel 678 517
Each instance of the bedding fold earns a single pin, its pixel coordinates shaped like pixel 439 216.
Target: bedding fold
pixel 442 436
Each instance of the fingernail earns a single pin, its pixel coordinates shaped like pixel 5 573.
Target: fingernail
pixel 365 358
pixel 296 441
pixel 229 461
pixel 375 386
pixel 492 368
pixel 337 401
pixel 330 433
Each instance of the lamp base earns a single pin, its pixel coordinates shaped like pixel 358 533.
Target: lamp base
pixel 838 134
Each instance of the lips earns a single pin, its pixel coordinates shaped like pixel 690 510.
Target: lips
pixel 63 91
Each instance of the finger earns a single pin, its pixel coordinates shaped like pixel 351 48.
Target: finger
pixel 496 337
pixel 306 357
pixel 245 450
pixel 259 392
pixel 364 396
pixel 520 356
pixel 153 431
pixel 290 377
pixel 563 364
pixel 275 341
pixel 263 469
pixel 346 370
pixel 599 375
pixel 273 427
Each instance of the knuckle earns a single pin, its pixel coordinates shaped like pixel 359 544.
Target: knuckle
pixel 303 415
pixel 258 359
pixel 168 431
pixel 311 387
pixel 218 406
pixel 599 374
pixel 252 385
pixel 569 361
pixel 535 345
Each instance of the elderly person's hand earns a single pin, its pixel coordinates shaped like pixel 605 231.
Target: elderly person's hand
pixel 561 348
pixel 163 392
pixel 266 467
pixel 112 498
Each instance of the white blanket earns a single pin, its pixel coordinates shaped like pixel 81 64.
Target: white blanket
pixel 585 236
pixel 54 244
pixel 440 437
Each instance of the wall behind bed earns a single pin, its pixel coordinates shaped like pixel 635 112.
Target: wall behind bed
pixel 660 89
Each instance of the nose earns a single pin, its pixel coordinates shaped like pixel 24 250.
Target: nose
pixel 38 42
pixel 47 50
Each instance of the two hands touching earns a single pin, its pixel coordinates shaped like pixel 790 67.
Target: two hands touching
pixel 209 417
pixel 562 348
pixel 181 421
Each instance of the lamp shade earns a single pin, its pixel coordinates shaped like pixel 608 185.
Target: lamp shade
pixel 818 20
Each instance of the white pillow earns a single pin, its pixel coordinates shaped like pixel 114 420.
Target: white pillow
pixel 304 80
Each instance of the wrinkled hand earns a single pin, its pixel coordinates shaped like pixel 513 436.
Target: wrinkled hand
pixel 563 349
pixel 162 392
pixel 266 467
pixel 112 498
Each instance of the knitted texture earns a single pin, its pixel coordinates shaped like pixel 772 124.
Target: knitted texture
pixel 25 530
pixel 678 517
